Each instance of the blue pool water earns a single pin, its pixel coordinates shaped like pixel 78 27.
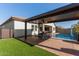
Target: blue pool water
pixel 65 36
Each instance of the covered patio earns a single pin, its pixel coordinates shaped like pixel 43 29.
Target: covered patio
pixel 60 47
pixel 63 14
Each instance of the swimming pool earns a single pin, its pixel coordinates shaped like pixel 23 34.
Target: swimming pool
pixel 64 36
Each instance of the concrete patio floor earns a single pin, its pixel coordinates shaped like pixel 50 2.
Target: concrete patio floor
pixel 57 46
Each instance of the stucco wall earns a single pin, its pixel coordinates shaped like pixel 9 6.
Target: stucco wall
pixel 30 32
pixel 19 29
pixel 29 29
pixel 19 33
pixel 8 25
pixel 6 30
pixel 53 27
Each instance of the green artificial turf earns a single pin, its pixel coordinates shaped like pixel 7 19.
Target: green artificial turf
pixel 14 47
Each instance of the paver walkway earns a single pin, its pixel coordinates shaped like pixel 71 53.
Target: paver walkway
pixel 57 46
pixel 60 47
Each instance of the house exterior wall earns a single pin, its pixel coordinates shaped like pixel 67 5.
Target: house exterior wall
pixel 6 33
pixel 53 27
pixel 6 30
pixel 19 29
pixel 8 25
pixel 16 26
pixel 29 29
pixel 35 32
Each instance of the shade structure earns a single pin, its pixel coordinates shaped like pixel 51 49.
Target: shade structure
pixel 66 13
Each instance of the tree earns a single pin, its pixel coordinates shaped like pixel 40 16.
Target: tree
pixel 76 28
pixel 76 31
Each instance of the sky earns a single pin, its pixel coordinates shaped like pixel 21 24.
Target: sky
pixel 67 24
pixel 26 10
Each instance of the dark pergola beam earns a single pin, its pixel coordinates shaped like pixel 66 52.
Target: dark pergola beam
pixel 59 13
pixel 64 17
pixel 59 18
pixel 62 10
pixel 25 30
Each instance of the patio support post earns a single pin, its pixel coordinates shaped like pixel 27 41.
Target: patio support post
pixel 25 30
pixel 43 27
pixel 39 29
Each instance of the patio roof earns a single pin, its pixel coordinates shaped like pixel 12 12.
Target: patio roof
pixel 66 13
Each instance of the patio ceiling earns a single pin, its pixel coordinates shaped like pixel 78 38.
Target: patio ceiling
pixel 66 13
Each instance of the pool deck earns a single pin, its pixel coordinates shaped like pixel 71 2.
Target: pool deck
pixel 57 46
pixel 60 47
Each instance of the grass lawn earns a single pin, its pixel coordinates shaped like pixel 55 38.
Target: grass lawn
pixel 13 47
